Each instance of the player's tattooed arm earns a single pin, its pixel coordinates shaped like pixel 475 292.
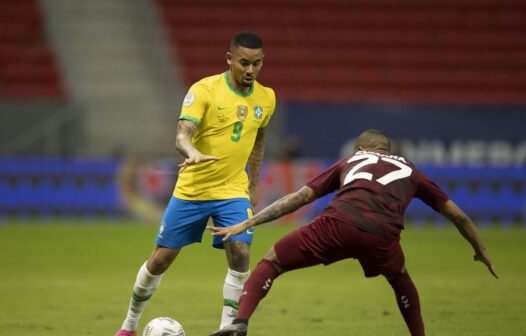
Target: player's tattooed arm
pixel 284 205
pixel 254 164
pixel 183 144
pixel 183 140
pixel 256 157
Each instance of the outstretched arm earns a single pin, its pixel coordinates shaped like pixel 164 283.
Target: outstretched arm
pixel 283 206
pixel 469 231
pixel 254 164
pixel 183 144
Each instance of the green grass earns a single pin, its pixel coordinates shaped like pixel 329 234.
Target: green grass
pixel 59 280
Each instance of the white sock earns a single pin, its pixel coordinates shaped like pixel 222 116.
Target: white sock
pixel 234 282
pixel 145 286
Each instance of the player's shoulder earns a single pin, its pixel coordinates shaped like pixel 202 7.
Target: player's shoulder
pixel 401 159
pixel 204 88
pixel 207 83
pixel 266 91
pixel 415 171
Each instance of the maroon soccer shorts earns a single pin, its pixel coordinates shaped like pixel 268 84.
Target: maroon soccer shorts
pixel 327 240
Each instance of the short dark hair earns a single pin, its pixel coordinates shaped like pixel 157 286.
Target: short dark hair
pixel 246 40
pixel 373 139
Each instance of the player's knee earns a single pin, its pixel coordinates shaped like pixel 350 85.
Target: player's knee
pixel 273 259
pixel 157 266
pixel 161 260
pixel 394 277
pixel 238 254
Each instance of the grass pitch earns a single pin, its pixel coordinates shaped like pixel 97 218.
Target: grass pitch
pixel 62 279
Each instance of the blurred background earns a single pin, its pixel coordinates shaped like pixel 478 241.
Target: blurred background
pixel 90 94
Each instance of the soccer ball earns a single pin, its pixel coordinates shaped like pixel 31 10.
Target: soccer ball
pixel 163 326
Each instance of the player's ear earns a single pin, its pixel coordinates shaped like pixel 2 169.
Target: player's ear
pixel 229 58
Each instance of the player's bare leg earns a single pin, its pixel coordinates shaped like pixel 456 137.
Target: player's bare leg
pixel 147 281
pixel 408 301
pixel 237 254
pixel 161 259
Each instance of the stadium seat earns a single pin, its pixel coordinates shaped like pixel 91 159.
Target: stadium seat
pixel 28 67
pixel 486 208
pixel 418 213
pixel 508 204
pixel 439 51
pixel 4 195
pixel 56 186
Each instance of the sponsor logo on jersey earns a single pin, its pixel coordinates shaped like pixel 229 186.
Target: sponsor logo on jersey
pixel 222 118
pixel 189 99
pixel 258 112
pixel 242 112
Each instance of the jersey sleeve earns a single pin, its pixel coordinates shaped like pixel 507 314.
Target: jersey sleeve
pixel 195 103
pixel 326 182
pixel 272 96
pixel 429 192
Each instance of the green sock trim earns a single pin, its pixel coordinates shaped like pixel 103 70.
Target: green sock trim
pixel 231 303
pixel 138 298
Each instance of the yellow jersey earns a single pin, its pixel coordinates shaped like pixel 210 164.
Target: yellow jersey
pixel 227 124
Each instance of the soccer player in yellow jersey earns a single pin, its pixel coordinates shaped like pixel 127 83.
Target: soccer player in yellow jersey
pixel 221 130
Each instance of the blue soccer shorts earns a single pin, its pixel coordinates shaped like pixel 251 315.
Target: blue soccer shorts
pixel 184 221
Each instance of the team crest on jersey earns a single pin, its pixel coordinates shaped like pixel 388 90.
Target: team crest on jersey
pixel 189 99
pixel 242 112
pixel 258 112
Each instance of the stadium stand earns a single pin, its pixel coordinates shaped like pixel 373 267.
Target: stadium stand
pixel 28 68
pixel 489 194
pixel 405 51
pixel 448 51
pixel 59 187
pixel 49 187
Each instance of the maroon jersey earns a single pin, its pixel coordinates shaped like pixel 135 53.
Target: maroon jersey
pixel 373 191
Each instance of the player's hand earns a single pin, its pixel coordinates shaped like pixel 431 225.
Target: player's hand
pixel 484 258
pixel 253 193
pixel 196 158
pixel 229 231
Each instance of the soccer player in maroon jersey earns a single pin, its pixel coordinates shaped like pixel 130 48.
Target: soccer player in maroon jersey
pixel 363 221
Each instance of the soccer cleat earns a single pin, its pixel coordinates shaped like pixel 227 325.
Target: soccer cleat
pixel 239 329
pixel 124 332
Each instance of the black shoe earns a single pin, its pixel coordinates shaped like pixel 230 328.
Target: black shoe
pixel 239 329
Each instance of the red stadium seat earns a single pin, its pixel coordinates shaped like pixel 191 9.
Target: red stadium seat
pixel 452 51
pixel 28 68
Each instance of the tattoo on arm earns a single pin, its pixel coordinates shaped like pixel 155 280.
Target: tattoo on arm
pixel 183 142
pixel 285 205
pixel 256 157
